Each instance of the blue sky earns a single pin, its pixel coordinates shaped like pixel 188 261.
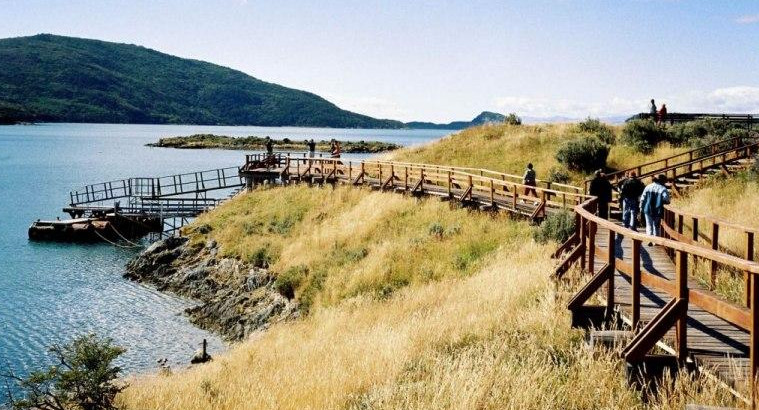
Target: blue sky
pixel 448 60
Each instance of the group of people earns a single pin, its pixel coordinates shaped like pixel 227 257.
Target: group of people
pixel 636 197
pixel 335 148
pixel 658 116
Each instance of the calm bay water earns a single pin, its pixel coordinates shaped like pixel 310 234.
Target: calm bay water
pixel 50 292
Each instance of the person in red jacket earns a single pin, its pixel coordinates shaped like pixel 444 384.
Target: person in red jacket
pixel 662 114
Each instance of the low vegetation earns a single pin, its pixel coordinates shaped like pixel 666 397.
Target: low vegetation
pixel 584 154
pixel 83 377
pixel 251 143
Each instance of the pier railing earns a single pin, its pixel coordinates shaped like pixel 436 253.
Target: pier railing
pixel 152 188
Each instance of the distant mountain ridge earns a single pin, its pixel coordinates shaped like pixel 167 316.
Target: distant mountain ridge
pixel 64 79
pixel 485 117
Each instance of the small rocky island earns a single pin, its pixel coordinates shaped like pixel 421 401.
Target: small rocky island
pixel 253 143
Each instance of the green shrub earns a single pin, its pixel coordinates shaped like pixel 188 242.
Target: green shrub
pixel 642 135
pixel 82 377
pixel 262 257
pixel 595 127
pixel 436 229
pixel 585 154
pixel 513 119
pixel 689 133
pixel 557 226
pixel 289 281
pixel 559 175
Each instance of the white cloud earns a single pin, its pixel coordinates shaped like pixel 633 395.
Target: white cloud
pixel 374 106
pixel 738 99
pixel 748 19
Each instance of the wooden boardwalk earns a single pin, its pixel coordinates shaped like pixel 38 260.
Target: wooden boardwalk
pixel 714 344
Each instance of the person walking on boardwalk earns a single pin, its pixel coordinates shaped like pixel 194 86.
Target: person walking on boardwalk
pixel 529 181
pixel 311 147
pixel 652 110
pixel 653 199
pixel 601 188
pixel 662 114
pixel 630 190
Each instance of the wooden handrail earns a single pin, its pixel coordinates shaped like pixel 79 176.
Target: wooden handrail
pixel 686 153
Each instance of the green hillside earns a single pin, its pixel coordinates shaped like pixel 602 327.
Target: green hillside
pixel 64 79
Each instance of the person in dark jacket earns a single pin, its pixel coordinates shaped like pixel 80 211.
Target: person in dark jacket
pixel 652 110
pixel 653 199
pixel 529 181
pixel 630 190
pixel 601 188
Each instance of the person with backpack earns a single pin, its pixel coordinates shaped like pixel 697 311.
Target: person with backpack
pixel 630 190
pixel 311 148
pixel 529 180
pixel 601 188
pixel 653 199
pixel 662 114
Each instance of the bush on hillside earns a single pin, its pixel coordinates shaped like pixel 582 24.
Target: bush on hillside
pixel 83 377
pixel 688 133
pixel 557 227
pixel 289 281
pixel 594 126
pixel 642 135
pixel 559 175
pixel 513 119
pixel 585 154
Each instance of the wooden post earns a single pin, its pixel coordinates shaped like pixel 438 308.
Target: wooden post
pixel 379 167
pixel 591 247
pixel 471 187
pixel 405 178
pixel 392 175
pixel 583 232
pixel 421 180
pixel 754 341
pixel 680 224
pixel 449 183
pixel 695 229
pixel 350 172
pixel 636 284
pixel 681 285
pixel 715 246
pixel 612 262
pixel 747 276
pixel 492 194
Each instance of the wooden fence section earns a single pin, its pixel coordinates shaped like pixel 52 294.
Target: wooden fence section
pixel 692 162
pixel 486 188
pixel 749 120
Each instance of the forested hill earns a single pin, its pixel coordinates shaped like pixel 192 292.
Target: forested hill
pixel 64 79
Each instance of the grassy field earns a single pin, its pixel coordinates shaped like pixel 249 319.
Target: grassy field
pixel 508 148
pixel 408 303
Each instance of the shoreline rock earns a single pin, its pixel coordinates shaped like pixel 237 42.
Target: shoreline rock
pixel 234 298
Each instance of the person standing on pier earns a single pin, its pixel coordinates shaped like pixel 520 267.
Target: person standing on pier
pixel 311 148
pixel 652 110
pixel 630 190
pixel 336 150
pixel 529 180
pixel 653 199
pixel 601 188
pixel 662 114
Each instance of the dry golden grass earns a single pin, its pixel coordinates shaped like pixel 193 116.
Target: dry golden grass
pixel 496 339
pixel 413 304
pixel 508 148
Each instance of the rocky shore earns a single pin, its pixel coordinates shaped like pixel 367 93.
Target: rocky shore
pixel 235 299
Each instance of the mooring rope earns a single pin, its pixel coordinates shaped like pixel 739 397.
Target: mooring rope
pixel 111 242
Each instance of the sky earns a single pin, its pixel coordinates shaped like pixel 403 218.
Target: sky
pixel 447 60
